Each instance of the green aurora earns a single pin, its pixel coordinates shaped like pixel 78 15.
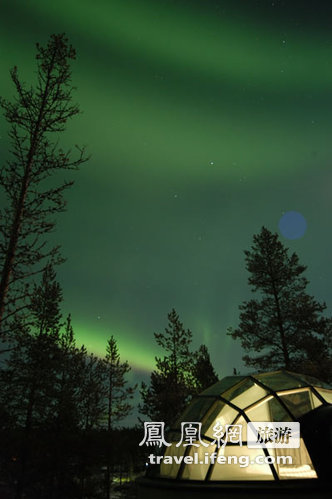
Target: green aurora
pixel 205 121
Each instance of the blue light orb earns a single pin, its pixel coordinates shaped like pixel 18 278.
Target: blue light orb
pixel 292 225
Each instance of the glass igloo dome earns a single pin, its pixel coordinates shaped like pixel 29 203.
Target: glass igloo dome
pixel 237 400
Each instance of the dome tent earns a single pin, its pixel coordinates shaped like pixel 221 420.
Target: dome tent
pixel 236 400
pixel 274 396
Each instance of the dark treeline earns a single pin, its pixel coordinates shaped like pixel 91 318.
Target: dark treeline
pixel 60 408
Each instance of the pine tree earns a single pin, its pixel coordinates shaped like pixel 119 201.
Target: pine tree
pixel 172 382
pixel 203 370
pixel 34 117
pixel 41 383
pixel 93 393
pixel 45 303
pixel 285 326
pixel 118 397
pixel 70 375
pixel 29 378
pixel 32 362
pixel 118 394
pixel 53 395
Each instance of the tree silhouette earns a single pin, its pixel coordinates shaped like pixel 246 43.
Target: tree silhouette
pixel 35 117
pixel 29 378
pixel 93 393
pixel 59 405
pixel 118 397
pixel 203 370
pixel 41 386
pixel 285 326
pixel 172 382
pixel 45 302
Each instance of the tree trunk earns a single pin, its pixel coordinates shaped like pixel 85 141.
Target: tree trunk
pixel 281 328
pixel 109 429
pixel 17 221
pixel 25 444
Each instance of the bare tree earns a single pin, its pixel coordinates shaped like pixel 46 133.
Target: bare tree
pixel 36 117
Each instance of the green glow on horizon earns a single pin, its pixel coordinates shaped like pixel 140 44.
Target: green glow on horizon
pixel 95 339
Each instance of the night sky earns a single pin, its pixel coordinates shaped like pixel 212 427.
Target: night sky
pixel 205 120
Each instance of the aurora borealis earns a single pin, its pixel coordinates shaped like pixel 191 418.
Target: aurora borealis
pixel 205 120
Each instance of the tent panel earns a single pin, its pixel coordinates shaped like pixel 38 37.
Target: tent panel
pixel 244 394
pixel 199 471
pixel 195 410
pixel 278 412
pixel 241 421
pixel 310 380
pixel 299 402
pixel 261 411
pixel 222 385
pixel 279 380
pixel 326 394
pixel 221 414
pixel 301 465
pixel 243 469
pixel 170 470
